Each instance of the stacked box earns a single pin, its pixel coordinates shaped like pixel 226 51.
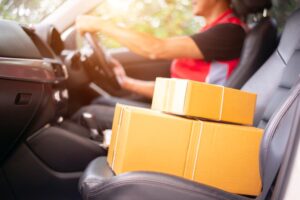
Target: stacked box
pixel 202 100
pixel 224 156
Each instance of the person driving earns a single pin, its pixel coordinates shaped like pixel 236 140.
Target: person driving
pixel 208 56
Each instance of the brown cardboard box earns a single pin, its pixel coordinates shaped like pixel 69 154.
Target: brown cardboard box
pixel 215 154
pixel 202 100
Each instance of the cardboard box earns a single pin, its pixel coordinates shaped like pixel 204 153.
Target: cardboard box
pixel 220 155
pixel 202 100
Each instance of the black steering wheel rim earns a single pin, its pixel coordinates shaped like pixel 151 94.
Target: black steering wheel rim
pixel 102 59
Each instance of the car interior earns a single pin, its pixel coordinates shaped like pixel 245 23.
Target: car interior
pixel 45 79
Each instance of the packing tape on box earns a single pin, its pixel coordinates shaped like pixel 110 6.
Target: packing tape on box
pixel 222 103
pixel 197 150
pixel 117 138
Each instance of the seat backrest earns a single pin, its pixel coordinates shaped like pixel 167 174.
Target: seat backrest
pixel 260 42
pixel 270 81
pixel 277 102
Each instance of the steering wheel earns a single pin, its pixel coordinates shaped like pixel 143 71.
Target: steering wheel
pixel 101 58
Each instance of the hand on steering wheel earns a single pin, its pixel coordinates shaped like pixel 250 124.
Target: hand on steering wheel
pixel 102 59
pixel 119 71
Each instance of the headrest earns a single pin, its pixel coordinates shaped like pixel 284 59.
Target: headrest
pixel 245 7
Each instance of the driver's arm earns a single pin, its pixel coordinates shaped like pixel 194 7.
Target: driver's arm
pixel 142 43
pixel 144 88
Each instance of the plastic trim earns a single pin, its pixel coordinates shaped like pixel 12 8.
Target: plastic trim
pixel 34 70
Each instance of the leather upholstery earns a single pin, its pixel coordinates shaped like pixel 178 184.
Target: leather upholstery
pixel 276 136
pixel 273 82
pixel 260 43
pixel 288 80
pixel 142 185
pixel 244 7
pixel 266 82
pixel 94 176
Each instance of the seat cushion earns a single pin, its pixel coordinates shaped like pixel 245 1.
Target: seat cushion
pixel 98 183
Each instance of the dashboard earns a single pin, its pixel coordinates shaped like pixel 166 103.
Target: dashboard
pixel 32 84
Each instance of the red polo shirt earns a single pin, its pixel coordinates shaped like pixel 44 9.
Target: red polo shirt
pixel 221 43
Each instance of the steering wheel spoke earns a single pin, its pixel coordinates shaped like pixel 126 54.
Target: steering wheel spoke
pixel 102 66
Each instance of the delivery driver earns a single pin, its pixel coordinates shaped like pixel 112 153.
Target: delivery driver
pixel 209 56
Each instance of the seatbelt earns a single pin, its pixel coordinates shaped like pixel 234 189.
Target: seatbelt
pixel 275 167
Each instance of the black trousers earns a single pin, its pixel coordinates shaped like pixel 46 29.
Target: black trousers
pixel 103 109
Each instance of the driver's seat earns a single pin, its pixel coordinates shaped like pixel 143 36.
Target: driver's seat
pixel 260 41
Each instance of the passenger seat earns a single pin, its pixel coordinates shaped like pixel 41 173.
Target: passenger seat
pixel 260 43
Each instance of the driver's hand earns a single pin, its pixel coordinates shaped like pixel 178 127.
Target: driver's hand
pixel 119 72
pixel 86 23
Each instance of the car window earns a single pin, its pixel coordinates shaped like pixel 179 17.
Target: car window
pixel 160 18
pixel 282 9
pixel 27 11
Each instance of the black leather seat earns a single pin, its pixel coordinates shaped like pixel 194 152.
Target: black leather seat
pixel 278 87
pixel 260 43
